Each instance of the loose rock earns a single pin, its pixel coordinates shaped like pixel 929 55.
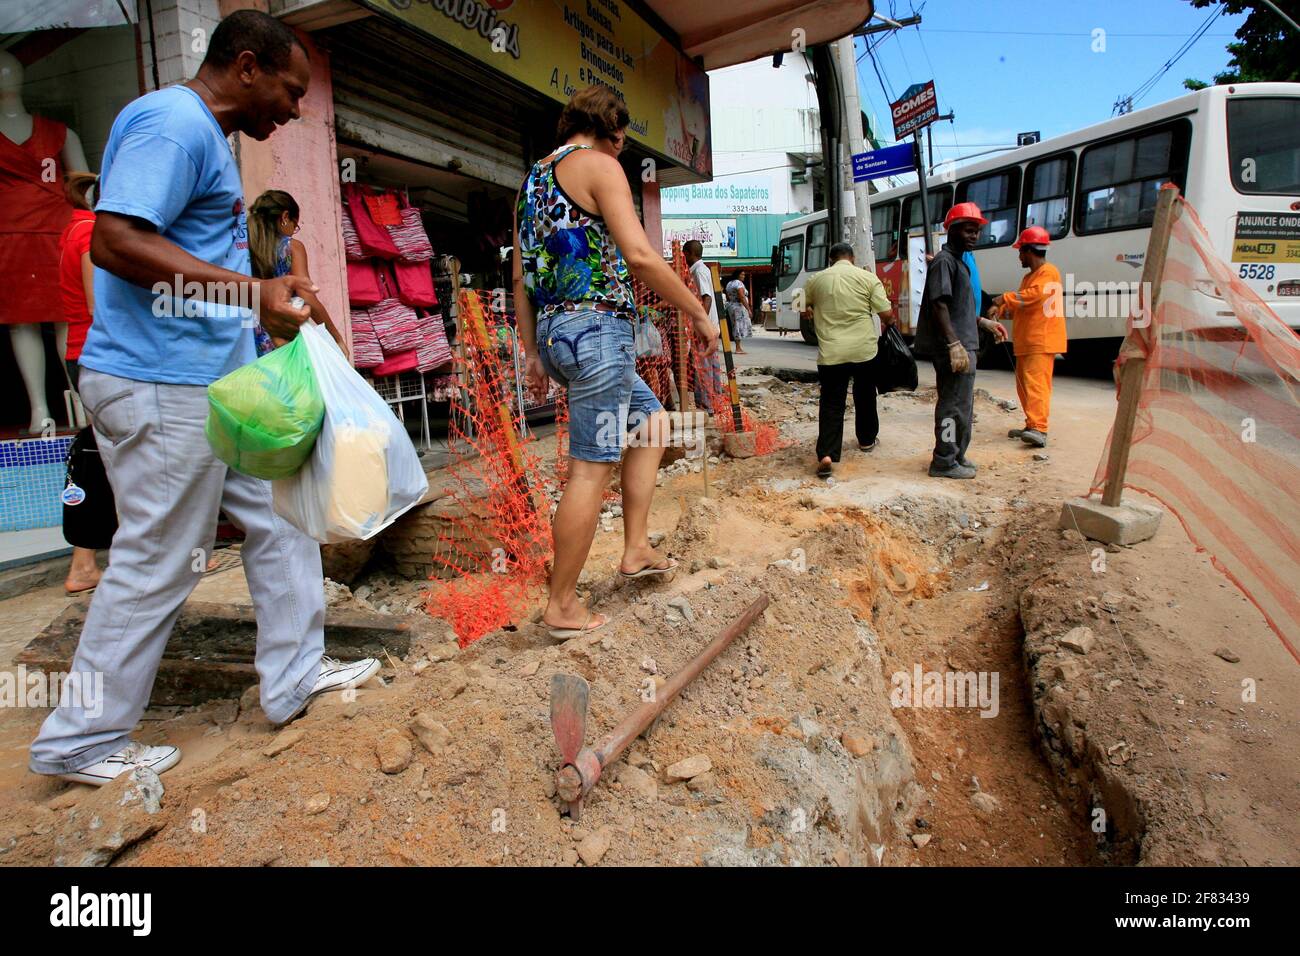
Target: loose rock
pixel 394 751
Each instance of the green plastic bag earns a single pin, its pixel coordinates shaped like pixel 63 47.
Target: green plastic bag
pixel 263 418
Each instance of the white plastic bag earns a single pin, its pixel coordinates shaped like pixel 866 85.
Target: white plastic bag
pixel 363 472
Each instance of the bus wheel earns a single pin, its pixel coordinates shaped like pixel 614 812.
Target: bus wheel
pixel 807 331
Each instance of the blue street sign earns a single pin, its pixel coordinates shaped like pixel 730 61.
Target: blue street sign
pixel 882 162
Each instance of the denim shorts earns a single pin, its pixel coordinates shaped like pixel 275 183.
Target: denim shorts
pixel 592 354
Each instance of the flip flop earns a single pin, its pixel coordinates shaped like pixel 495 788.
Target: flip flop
pixel 648 571
pixel 78 591
pixel 825 470
pixel 566 633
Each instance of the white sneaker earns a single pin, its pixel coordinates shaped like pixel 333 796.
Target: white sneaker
pixel 134 754
pixel 337 675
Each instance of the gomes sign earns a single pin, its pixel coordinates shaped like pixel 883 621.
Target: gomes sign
pixel 918 107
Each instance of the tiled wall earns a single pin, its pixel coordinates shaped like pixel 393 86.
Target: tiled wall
pixel 31 481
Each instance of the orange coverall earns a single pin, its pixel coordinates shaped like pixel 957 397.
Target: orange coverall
pixel 1037 317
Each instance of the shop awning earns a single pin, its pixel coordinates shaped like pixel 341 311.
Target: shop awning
pixel 724 34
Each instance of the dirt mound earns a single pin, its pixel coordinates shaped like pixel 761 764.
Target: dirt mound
pixel 453 760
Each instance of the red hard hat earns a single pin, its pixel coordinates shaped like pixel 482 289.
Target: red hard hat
pixel 963 210
pixel 1033 236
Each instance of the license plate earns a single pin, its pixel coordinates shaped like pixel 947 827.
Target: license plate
pixel 1290 287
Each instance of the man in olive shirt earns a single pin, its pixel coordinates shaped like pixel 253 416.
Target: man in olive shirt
pixel 844 301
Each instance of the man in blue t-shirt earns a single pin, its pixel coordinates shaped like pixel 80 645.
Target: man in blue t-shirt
pixel 174 309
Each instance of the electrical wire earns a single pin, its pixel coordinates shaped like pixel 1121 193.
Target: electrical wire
pixel 1150 83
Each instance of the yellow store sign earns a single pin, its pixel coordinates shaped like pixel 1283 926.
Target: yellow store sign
pixel 561 46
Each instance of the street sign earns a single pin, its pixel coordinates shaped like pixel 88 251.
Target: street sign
pixel 882 162
pixel 917 108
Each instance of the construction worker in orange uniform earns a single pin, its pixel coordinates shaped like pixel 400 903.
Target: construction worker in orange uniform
pixel 1037 315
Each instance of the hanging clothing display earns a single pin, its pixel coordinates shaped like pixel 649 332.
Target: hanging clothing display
pixel 35 212
pixel 391 284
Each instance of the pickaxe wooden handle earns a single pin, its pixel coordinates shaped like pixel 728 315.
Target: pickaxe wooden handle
pixel 581 770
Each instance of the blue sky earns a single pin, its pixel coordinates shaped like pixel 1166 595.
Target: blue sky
pixel 1000 82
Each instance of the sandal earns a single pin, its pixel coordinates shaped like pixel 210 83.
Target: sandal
pixel 825 469
pixel 648 571
pixel 566 633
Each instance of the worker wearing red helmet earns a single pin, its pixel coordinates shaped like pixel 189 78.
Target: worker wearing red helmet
pixel 948 331
pixel 1037 315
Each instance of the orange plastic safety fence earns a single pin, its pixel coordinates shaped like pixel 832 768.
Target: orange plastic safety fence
pixel 496 537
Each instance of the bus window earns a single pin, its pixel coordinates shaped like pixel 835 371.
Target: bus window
pixel 1047 194
pixel 940 203
pixel 884 232
pixel 817 244
pixel 1264 145
pixel 1120 180
pixel 998 196
pixel 791 261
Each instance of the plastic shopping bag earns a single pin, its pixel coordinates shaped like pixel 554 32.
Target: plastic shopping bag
pixel 263 418
pixel 363 472
pixel 895 367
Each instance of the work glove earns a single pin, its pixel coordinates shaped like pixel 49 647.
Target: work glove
pixel 958 357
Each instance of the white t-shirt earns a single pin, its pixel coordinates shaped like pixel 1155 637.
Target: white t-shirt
pixel 704 283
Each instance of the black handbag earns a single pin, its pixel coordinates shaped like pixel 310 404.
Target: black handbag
pixel 89 509
pixel 895 367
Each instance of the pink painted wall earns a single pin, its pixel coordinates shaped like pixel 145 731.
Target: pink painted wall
pixel 651 206
pixel 301 158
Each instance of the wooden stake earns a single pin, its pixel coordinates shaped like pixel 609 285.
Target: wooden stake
pixel 1134 367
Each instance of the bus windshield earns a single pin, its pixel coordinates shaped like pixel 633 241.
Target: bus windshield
pixel 791 262
pixel 1264 144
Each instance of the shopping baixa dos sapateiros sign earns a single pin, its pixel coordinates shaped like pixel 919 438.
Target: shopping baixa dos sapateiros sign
pixel 728 195
pixel 561 46
pixel 917 108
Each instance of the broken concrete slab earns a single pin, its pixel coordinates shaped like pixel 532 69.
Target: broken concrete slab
pixel 210 653
pixel 1127 523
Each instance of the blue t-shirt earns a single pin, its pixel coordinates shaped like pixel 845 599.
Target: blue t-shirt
pixel 168 162
pixel 975 287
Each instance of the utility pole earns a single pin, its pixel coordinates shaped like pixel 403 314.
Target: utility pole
pixel 857 217
pixel 929 141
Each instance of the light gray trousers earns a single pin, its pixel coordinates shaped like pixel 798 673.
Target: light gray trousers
pixel 169 488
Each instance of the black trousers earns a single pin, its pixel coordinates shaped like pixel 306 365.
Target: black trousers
pixel 954 411
pixel 830 418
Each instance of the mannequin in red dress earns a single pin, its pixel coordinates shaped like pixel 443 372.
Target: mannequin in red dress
pixel 34 152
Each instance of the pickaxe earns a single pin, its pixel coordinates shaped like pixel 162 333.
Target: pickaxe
pixel 583 765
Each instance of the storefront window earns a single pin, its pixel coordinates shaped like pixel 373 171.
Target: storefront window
pixel 67 67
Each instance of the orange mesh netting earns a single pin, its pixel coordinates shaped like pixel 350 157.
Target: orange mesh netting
pixel 1215 438
pixel 497 537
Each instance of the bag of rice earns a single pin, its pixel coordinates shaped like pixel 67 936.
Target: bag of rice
pixel 363 471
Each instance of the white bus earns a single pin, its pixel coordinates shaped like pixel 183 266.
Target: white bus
pixel 1234 151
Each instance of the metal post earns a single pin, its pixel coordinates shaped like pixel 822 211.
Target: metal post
pixel 925 193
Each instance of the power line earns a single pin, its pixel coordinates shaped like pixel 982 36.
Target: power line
pixel 1051 33
pixel 1125 103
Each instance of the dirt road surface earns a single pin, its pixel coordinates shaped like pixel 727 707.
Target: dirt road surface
pixel 1170 739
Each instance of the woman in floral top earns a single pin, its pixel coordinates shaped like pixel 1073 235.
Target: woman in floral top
pixel 578 237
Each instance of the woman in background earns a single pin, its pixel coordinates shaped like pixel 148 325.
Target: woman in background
pixel 77 293
pixel 272 224
pixel 738 311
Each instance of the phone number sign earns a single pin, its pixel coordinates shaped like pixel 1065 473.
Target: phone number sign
pixel 917 108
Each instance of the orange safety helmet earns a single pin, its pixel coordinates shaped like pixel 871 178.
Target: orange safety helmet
pixel 1033 236
pixel 964 210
